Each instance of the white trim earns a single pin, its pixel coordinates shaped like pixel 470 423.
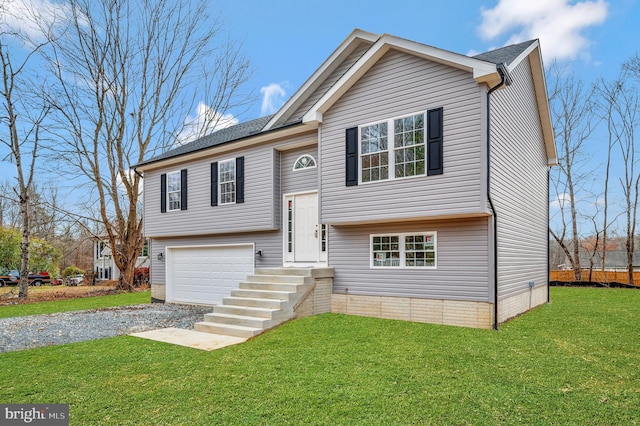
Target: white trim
pixel 315 163
pixel 391 160
pixel 220 183
pixel 288 259
pixel 179 191
pixel 330 64
pixel 402 260
pixel 483 71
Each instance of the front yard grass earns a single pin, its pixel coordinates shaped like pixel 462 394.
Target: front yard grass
pixel 573 361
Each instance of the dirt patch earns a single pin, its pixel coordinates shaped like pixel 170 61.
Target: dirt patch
pixel 9 295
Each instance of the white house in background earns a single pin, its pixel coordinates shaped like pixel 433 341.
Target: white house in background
pixel 416 178
pixel 104 266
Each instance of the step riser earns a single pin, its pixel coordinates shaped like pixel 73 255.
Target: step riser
pixel 261 294
pixel 277 279
pixel 270 286
pixel 225 330
pixel 261 323
pixel 253 303
pixel 244 310
pixel 301 272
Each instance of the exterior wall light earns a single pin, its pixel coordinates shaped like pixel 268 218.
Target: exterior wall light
pixel 161 256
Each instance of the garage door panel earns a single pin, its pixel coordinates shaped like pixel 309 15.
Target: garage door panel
pixel 206 274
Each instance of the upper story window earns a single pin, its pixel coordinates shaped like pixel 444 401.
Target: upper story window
pixel 401 147
pixel 227 181
pixel 304 162
pixel 173 190
pixel 396 154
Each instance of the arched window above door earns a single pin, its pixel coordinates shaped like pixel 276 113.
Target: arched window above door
pixel 305 161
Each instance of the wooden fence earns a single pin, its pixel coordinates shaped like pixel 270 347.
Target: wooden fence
pixel 596 276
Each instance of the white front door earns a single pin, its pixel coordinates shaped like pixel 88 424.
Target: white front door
pixel 302 232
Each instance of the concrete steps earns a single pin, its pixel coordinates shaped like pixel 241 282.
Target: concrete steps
pixel 263 301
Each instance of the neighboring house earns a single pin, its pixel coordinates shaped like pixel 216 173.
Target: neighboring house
pixel 104 266
pixel 418 176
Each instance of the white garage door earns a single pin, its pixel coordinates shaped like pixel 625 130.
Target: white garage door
pixel 206 274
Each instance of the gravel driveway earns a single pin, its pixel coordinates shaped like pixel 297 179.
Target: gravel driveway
pixel 67 327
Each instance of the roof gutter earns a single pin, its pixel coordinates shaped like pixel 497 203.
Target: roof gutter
pixel 505 80
pixel 259 137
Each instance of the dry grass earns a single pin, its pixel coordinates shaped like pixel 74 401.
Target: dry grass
pixel 9 294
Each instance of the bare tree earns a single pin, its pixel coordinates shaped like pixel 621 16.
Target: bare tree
pixel 126 76
pixel 572 113
pixel 622 102
pixel 22 117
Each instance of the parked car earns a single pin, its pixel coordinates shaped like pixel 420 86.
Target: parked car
pixel 13 278
pixel 57 281
pixel 75 280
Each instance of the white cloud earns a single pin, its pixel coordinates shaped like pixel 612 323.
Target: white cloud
pixel 272 98
pixel 122 190
pixel 206 121
pixel 21 15
pixel 560 202
pixel 557 23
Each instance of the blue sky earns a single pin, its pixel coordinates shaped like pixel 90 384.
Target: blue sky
pixel 286 40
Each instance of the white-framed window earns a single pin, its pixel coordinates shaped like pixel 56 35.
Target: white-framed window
pixel 304 162
pixel 407 250
pixel 398 153
pixel 174 195
pixel 227 181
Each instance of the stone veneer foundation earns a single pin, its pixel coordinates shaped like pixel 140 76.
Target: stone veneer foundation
pixel 448 312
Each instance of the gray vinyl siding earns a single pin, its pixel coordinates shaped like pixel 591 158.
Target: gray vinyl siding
pixel 519 185
pixel 259 212
pixel 299 180
pixel 397 85
pixel 269 242
pixel 462 262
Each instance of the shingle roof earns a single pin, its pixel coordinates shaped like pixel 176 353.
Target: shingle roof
pixel 505 55
pixel 228 134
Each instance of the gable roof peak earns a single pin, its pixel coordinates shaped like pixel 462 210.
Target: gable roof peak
pixel 507 55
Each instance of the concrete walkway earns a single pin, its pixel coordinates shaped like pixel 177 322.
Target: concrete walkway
pixel 190 338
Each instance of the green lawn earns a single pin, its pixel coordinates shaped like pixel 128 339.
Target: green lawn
pixel 573 361
pixel 77 304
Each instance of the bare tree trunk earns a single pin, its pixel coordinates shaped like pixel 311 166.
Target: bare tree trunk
pixel 622 104
pixel 14 95
pixel 571 108
pixel 139 62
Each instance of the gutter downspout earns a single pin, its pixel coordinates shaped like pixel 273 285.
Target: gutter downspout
pixel 505 80
pixel 548 245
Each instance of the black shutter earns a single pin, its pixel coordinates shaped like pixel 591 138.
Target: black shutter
pixel 163 193
pixel 214 184
pixel 352 156
pixel 240 180
pixel 183 189
pixel 434 142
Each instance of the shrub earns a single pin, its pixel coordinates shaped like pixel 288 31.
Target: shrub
pixel 141 277
pixel 71 270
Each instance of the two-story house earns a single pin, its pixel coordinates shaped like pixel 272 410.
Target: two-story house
pixel 416 176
